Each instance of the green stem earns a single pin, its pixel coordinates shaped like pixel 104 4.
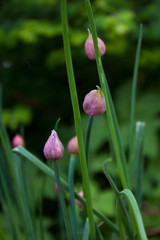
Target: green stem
pixel 71 196
pixel 63 205
pixel 77 118
pixel 87 138
pixel 121 161
pixel 133 94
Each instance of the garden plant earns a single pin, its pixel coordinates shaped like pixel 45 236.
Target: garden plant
pixel 78 216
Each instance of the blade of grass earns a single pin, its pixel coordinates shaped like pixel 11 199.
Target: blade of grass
pixel 121 203
pixel 23 200
pixel 135 213
pixel 87 137
pixel 7 150
pixel 62 202
pixel 133 93
pixel 120 222
pixel 72 197
pixel 44 168
pixel 9 209
pixel 114 129
pixel 77 118
pixel 86 230
pixel 136 165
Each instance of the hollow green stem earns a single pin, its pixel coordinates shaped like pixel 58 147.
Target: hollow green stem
pixel 118 147
pixel 87 137
pixel 77 118
pixel 71 196
pixel 133 93
pixel 63 205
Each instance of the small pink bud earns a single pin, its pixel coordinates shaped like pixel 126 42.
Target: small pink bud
pixel 89 47
pixel 72 146
pixel 53 149
pixel 17 141
pixel 80 205
pixel 94 103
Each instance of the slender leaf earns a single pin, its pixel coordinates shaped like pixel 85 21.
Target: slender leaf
pixel 133 94
pixel 121 203
pixel 136 164
pixel 72 197
pixel 133 206
pixel 87 137
pixel 120 222
pixel 86 230
pixel 62 202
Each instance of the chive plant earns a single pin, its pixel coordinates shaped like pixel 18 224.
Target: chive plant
pixel 128 223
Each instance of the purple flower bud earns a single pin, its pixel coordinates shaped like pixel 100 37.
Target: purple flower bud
pixel 53 149
pixel 72 146
pixel 94 103
pixel 17 141
pixel 89 47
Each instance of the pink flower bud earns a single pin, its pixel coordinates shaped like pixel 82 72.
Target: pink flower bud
pixel 89 47
pixel 17 141
pixel 94 103
pixel 53 149
pixel 80 205
pixel 72 146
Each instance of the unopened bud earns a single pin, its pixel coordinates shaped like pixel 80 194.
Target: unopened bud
pixel 17 141
pixel 72 146
pixel 94 103
pixel 80 205
pixel 89 47
pixel 53 149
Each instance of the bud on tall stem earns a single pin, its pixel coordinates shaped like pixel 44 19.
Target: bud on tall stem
pixel 53 149
pixel 89 47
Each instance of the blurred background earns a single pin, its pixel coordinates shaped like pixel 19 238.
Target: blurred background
pixel 35 86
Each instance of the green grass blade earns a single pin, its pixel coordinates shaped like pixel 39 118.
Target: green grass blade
pixel 86 230
pixel 113 124
pixel 133 206
pixel 23 200
pixel 120 223
pixel 133 94
pixel 137 163
pixel 77 117
pixel 44 168
pixel 120 200
pixel 87 137
pixel 9 209
pixel 62 202
pixel 72 197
